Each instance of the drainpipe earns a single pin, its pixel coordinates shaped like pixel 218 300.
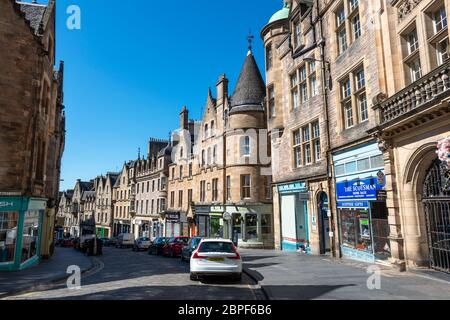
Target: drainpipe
pixel 327 125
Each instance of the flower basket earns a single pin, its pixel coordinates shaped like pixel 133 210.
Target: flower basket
pixel 444 151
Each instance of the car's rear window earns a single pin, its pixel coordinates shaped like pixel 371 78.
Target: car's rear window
pixel 226 247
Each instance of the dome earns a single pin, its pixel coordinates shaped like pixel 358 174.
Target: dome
pixel 282 14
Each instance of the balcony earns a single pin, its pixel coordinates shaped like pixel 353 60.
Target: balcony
pixel 418 103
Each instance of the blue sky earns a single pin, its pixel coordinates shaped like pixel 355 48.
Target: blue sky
pixel 134 64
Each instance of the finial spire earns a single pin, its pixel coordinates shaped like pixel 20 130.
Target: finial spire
pixel 139 153
pixel 250 38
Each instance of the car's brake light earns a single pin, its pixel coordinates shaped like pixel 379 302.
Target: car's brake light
pixel 197 256
pixel 237 255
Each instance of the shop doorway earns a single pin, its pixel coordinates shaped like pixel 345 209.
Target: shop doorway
pixel 436 201
pixel 324 223
pixel 302 225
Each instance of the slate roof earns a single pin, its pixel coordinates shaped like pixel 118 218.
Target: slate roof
pixel 250 89
pixel 167 151
pixel 34 13
pixel 86 186
pixel 87 194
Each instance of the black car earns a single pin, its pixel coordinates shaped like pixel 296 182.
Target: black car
pixel 157 245
pixel 190 247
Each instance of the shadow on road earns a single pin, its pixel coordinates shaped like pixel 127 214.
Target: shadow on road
pixel 298 292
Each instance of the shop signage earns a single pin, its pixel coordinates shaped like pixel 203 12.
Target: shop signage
pixel 353 205
pixel 10 204
pixel 381 195
pixel 293 187
pixel 5 204
pixel 358 190
pixel 173 216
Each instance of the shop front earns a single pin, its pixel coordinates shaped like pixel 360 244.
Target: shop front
pixel 249 226
pixel 173 224
pixel 103 232
pixel 21 221
pixel 294 199
pixel 361 204
pixel 121 226
pixel 157 229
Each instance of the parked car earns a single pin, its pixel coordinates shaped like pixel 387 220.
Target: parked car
pixel 156 247
pixel 141 243
pixel 111 242
pixel 125 240
pixel 104 241
pixel 174 246
pixel 190 247
pixel 67 243
pixel 216 257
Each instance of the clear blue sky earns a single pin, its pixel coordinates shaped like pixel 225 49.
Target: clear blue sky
pixel 134 64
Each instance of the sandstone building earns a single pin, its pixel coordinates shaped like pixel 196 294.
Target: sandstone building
pixel 357 96
pixel 32 131
pixel 219 182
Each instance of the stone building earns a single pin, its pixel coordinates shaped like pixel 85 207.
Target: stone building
pixel 104 207
pixel 32 131
pixel 219 183
pixel 79 210
pixel 121 202
pixel 149 190
pixel 413 115
pixel 297 124
pixel 65 212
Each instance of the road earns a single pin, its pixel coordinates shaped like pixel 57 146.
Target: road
pixel 122 274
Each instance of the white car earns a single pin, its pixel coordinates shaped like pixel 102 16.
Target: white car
pixel 141 243
pixel 216 257
pixel 125 240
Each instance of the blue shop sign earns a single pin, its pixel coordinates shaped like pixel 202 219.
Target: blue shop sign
pixel 358 190
pixel 293 187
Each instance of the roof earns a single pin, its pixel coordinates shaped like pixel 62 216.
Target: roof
pixel 250 89
pixel 86 186
pixel 88 194
pixel 281 14
pixel 167 151
pixel 34 13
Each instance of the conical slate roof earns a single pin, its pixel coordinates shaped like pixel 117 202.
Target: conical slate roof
pixel 250 89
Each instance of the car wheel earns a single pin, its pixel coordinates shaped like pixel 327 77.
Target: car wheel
pixel 193 277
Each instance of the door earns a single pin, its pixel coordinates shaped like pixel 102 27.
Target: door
pixel 436 201
pixel 302 225
pixel 288 223
pixel 324 224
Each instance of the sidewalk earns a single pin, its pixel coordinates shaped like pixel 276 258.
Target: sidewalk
pixel 48 271
pixel 292 276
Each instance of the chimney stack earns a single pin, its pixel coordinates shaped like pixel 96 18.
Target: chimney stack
pixel 184 118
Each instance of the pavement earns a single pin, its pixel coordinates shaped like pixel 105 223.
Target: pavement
pixel 47 272
pixel 294 276
pixel 121 274
pixel 127 275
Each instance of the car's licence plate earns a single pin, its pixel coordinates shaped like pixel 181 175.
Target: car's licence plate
pixel 216 259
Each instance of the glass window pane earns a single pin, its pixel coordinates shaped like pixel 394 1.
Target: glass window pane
pixel 363 164
pixel 350 167
pixel 340 170
pixel 30 235
pixel 377 162
pixel 8 236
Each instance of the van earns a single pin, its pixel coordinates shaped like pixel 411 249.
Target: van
pixel 125 240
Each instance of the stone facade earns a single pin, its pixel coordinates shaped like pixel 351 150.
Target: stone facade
pixel 121 200
pixel 149 190
pixel 103 214
pixel 32 125
pixel 219 182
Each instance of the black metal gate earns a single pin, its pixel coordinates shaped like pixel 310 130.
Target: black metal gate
pixel 436 199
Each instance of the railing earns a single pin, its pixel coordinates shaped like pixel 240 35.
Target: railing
pixel 432 86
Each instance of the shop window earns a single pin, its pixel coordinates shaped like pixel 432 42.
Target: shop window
pixel 355 229
pixel 30 235
pixel 8 236
pixel 251 226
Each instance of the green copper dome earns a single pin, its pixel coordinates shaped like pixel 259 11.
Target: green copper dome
pixel 282 14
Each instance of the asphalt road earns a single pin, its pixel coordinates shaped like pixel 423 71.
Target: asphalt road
pixel 122 274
